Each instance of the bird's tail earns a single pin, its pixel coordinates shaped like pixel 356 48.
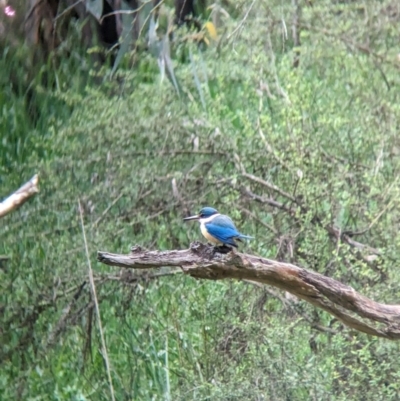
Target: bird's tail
pixel 242 236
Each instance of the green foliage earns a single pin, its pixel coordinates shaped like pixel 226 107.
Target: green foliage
pixel 140 158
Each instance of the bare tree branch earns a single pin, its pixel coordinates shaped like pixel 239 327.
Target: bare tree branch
pixel 269 186
pixel 340 300
pixel 20 196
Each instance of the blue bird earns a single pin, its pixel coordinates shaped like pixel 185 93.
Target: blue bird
pixel 218 228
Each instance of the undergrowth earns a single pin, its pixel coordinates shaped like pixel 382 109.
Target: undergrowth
pixel 140 158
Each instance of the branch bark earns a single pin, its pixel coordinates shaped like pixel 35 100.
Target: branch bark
pixel 340 300
pixel 20 196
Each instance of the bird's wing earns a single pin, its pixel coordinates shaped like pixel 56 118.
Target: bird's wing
pixel 227 223
pixel 223 234
pixel 224 221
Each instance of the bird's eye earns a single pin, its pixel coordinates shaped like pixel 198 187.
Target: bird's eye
pixel 201 214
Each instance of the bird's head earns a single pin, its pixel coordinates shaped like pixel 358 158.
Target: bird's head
pixel 205 213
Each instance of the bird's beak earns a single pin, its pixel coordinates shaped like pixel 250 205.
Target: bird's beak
pixel 195 217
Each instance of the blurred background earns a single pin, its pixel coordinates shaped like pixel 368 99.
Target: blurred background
pixel 283 114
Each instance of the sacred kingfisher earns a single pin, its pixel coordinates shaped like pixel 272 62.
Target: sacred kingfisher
pixel 218 228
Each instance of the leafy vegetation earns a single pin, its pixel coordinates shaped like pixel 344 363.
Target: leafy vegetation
pixel 139 158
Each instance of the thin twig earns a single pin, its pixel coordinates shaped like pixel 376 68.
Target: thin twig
pixel 67 10
pixel 269 185
pixel 269 201
pixel 108 209
pixel 242 21
pixel 266 225
pixel 94 296
pixel 264 139
pixel 289 304
pixel 64 316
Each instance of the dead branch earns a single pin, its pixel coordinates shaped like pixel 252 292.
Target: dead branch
pixel 269 186
pixel 20 196
pixel 340 300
